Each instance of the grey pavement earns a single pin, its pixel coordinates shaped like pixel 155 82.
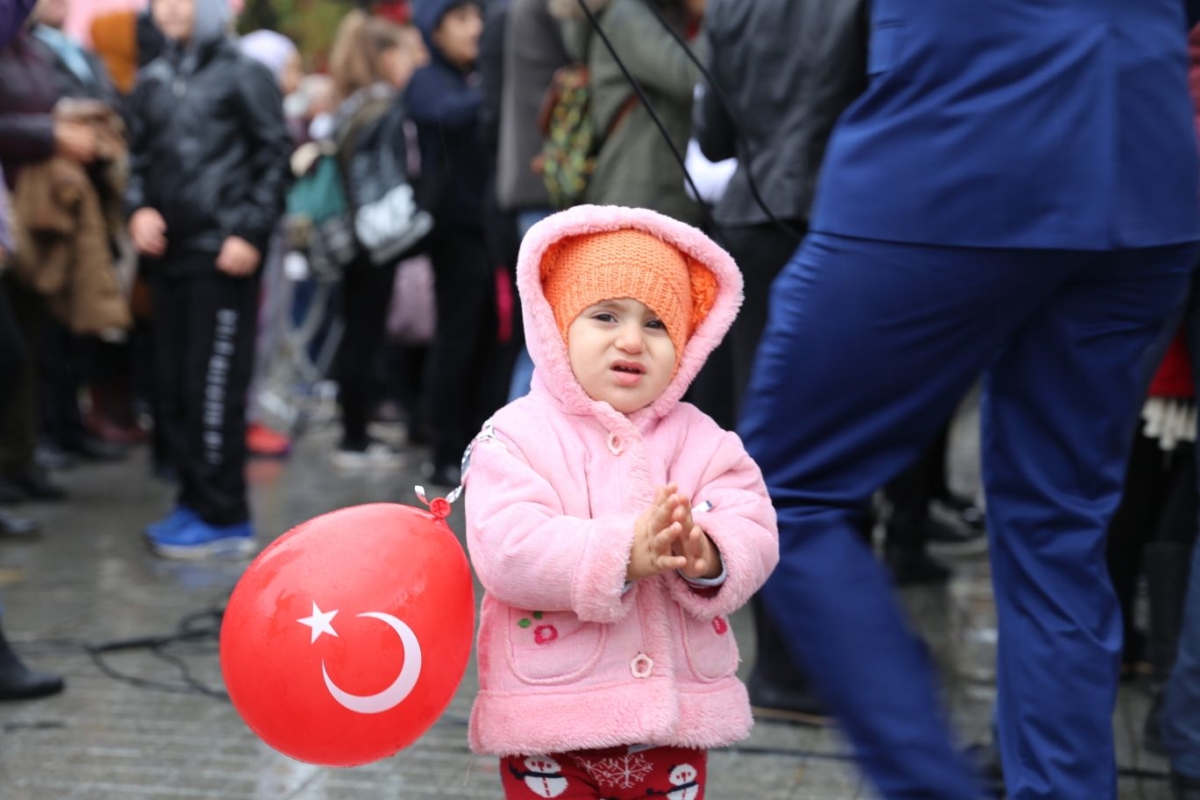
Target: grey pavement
pixel 159 733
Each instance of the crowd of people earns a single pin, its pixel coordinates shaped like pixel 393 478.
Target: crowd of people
pixel 180 199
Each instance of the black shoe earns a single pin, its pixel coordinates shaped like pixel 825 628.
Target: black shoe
pixel 52 457
pixel 93 448
pixel 794 704
pixel 35 484
pixel 985 762
pixel 19 682
pixel 13 526
pixel 911 567
pixel 1184 787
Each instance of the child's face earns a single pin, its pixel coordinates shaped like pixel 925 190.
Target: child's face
pixel 457 35
pixel 174 18
pixel 399 63
pixel 620 353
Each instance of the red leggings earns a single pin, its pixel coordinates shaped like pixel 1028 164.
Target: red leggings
pixel 618 773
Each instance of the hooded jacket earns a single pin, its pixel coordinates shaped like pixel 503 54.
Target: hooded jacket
pixel 208 145
pixel 568 658
pixel 445 103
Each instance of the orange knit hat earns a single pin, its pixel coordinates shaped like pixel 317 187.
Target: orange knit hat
pixel 580 271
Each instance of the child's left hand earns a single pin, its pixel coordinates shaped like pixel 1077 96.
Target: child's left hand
pixel 703 559
pixel 238 258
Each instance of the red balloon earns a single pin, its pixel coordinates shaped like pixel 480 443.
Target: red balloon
pixel 347 637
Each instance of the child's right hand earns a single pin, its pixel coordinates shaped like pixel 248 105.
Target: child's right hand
pixel 148 230
pixel 654 535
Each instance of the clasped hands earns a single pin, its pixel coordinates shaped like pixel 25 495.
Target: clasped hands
pixel 666 538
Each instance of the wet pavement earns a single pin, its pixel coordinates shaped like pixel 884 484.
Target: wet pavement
pixel 140 723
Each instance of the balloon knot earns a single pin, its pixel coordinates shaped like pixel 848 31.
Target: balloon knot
pixel 439 507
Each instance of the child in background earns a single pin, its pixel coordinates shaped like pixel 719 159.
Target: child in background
pixel 614 528
pixel 209 164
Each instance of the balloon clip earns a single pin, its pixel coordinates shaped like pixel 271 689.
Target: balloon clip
pixel 439 506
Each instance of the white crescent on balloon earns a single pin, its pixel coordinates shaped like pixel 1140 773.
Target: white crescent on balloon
pixel 393 695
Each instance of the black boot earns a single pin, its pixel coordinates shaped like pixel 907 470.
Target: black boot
pixel 19 682
pixel 1167 570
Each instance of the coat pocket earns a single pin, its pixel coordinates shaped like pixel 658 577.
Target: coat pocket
pixel 552 647
pixel 710 648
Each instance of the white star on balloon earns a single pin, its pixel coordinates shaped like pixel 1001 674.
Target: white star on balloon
pixel 320 622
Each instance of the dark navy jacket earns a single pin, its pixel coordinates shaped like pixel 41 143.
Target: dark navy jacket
pixel 446 104
pixel 1019 123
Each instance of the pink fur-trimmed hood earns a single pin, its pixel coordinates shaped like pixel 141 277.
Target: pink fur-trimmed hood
pixel 543 339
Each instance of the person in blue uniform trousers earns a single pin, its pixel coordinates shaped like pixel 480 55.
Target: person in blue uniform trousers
pixel 1014 194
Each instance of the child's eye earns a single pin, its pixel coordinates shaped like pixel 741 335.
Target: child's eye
pixel 604 316
pixel 656 324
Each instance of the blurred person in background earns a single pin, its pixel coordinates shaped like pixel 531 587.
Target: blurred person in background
pixel 17 681
pixel 209 152
pixel 31 137
pixel 1179 728
pixel 533 51
pixel 636 165
pixel 67 360
pixel 445 101
pixel 372 63
pixel 278 54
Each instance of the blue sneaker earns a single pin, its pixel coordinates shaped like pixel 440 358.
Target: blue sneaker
pixel 181 515
pixel 197 540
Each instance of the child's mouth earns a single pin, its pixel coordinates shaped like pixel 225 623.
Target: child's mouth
pixel 628 373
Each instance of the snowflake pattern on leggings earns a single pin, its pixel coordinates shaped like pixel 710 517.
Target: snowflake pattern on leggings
pixel 626 772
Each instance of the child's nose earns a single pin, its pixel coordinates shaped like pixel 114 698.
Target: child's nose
pixel 630 339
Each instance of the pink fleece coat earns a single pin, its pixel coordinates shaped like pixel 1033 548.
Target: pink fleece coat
pixel 567 660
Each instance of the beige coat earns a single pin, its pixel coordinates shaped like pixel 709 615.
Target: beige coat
pixel 62 247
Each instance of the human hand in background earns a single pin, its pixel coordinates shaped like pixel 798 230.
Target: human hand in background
pixel 75 140
pixel 148 230
pixel 238 257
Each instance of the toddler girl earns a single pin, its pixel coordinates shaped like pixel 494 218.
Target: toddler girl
pixel 614 527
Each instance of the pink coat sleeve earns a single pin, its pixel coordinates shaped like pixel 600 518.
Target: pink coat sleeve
pixel 528 553
pixel 741 523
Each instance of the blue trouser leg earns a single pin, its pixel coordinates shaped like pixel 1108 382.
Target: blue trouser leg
pixel 1181 709
pixel 868 348
pixel 1060 408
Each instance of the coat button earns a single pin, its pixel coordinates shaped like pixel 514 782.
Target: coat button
pixel 614 444
pixel 641 666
